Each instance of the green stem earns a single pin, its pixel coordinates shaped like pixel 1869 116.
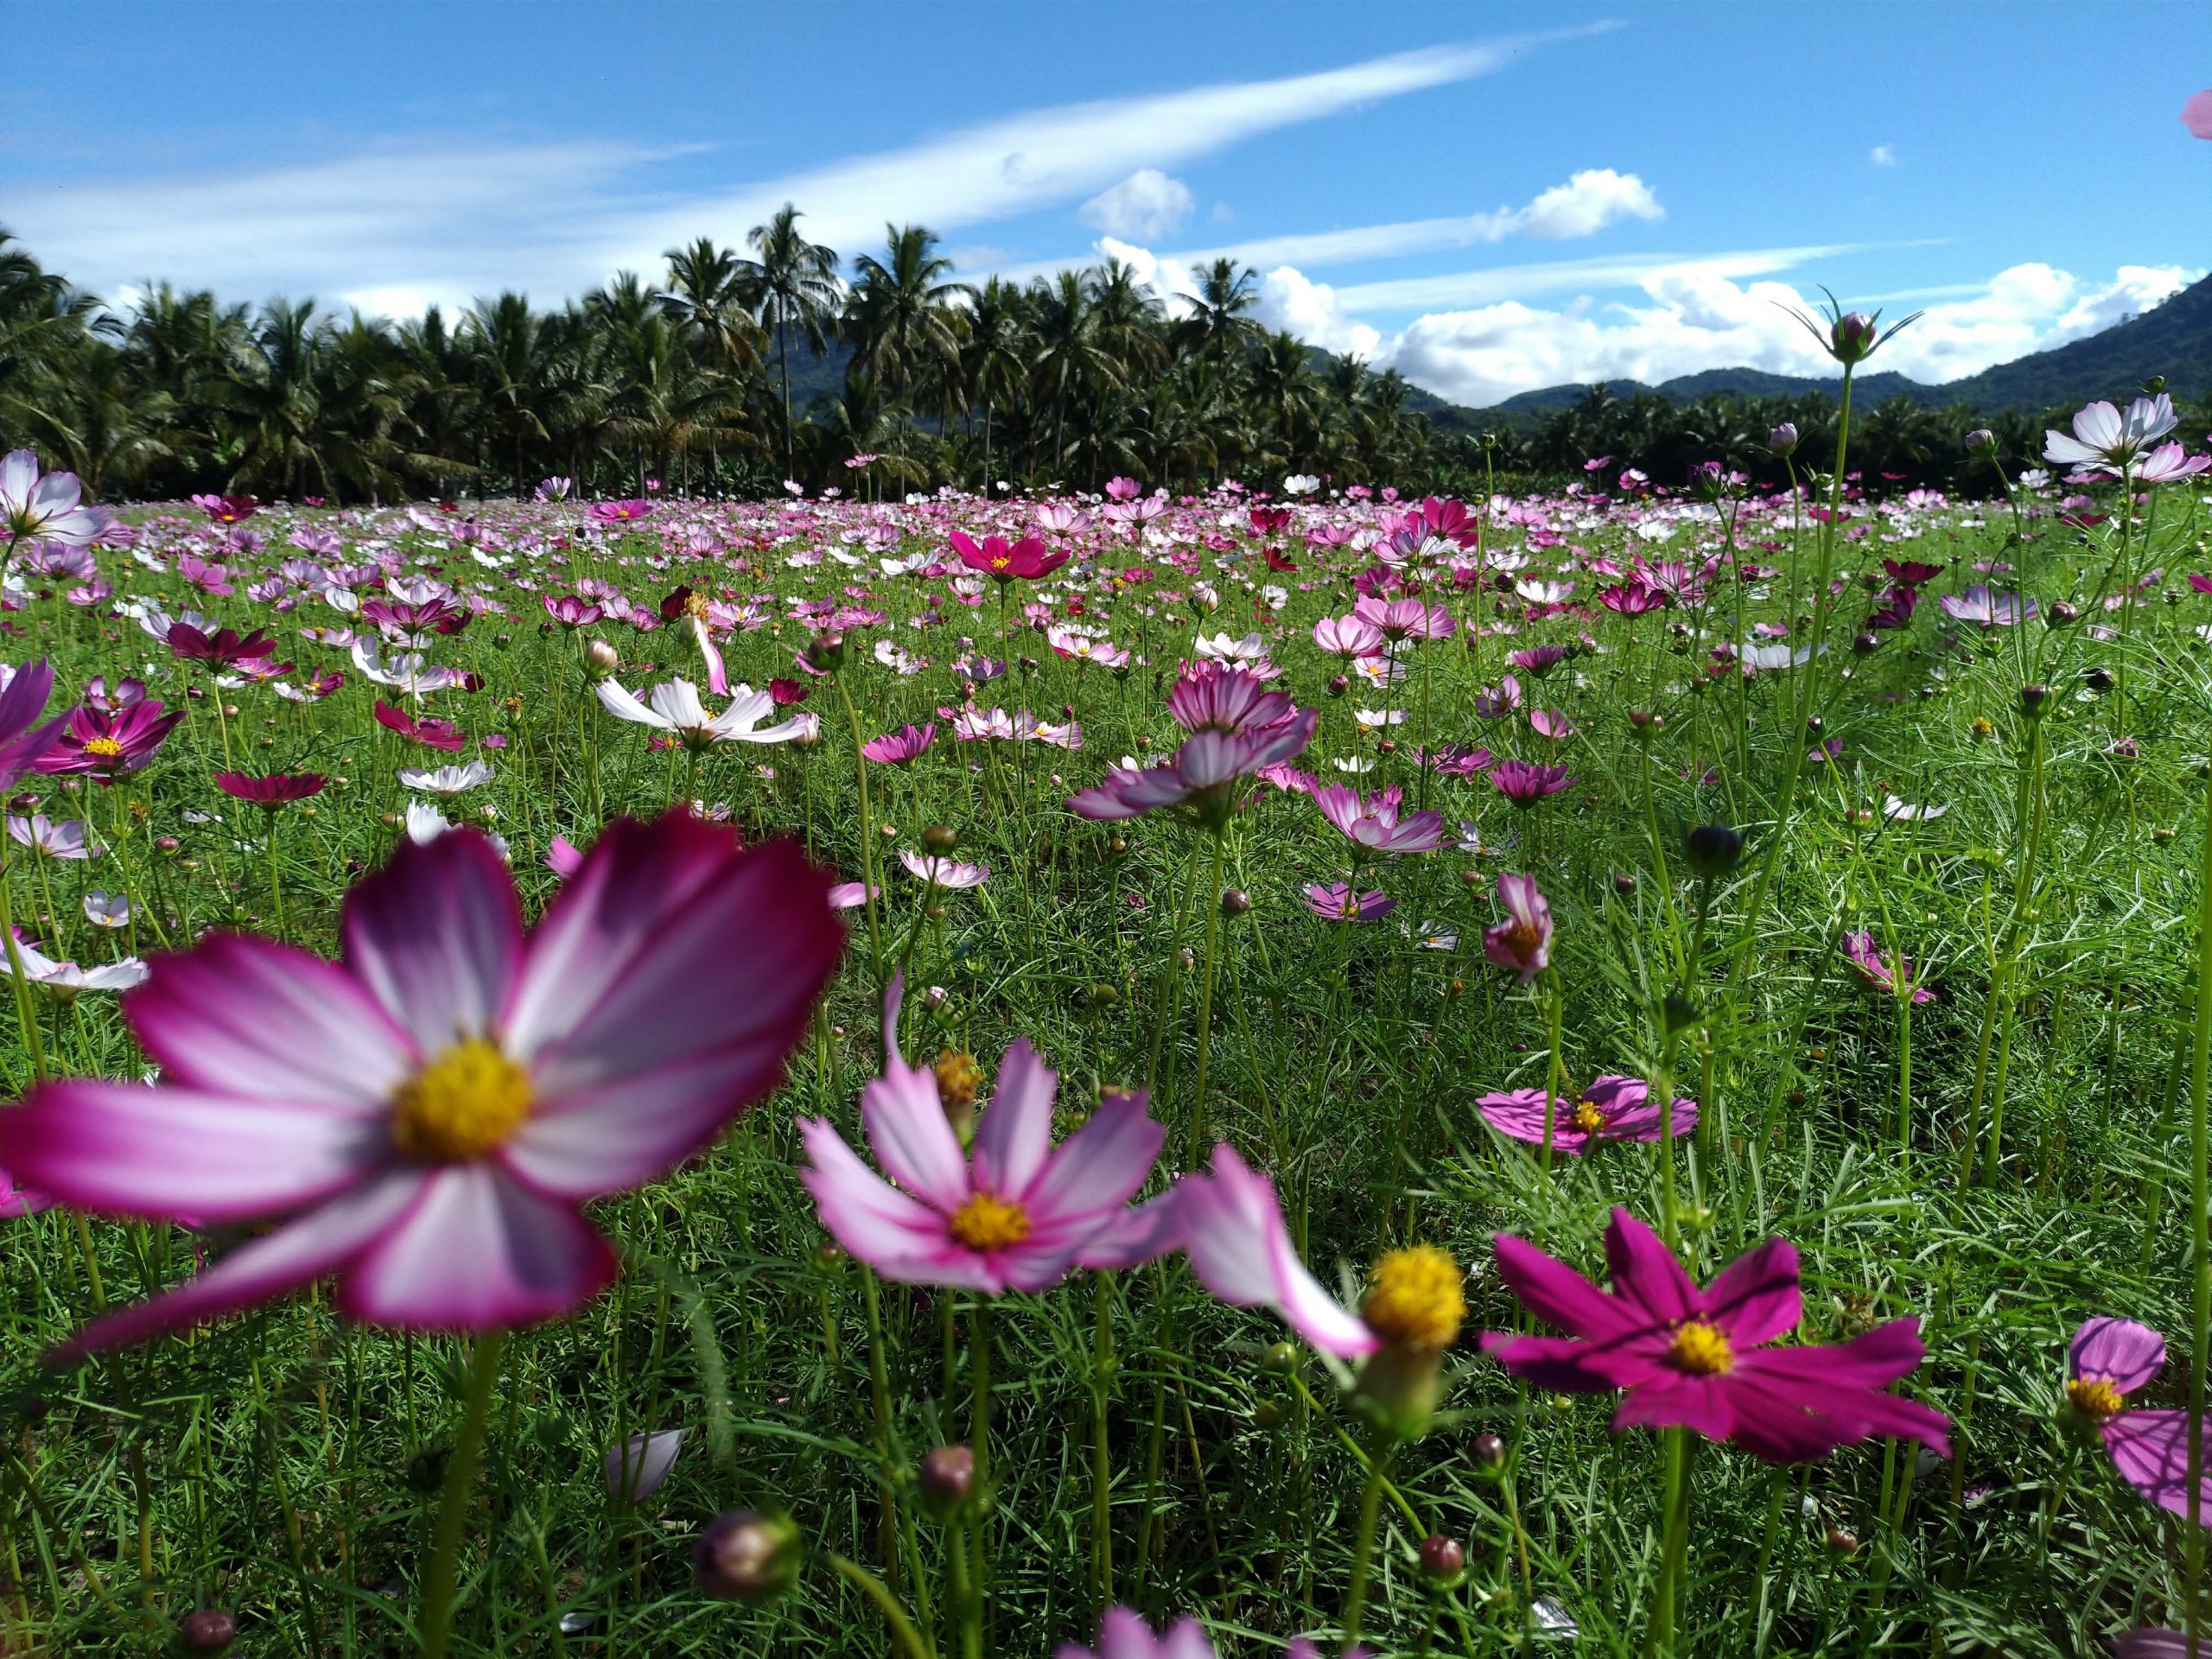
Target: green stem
pixel 907 1638
pixel 2201 1240
pixel 19 980
pixel 454 1500
pixel 1552 1079
pixel 1198 1124
pixel 1370 1504
pixel 879 1396
pixel 1101 1514
pixel 867 836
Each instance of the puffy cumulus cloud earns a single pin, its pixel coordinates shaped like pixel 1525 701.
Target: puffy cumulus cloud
pixel 1584 205
pixel 1883 155
pixel 1171 279
pixel 1145 204
pixel 1290 300
pixel 1695 318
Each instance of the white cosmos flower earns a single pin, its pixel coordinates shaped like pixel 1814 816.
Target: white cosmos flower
pixel 103 909
pixel 447 780
pixel 66 979
pixel 425 824
pixel 1905 812
pixel 673 706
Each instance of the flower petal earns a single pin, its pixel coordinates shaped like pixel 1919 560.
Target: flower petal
pixel 1645 1272
pixel 871 1218
pixel 2120 1351
pixel 1756 1298
pixel 168 1153
pixel 1102 1166
pixel 477 1251
pixel 911 1135
pixel 1014 1131
pixel 436 935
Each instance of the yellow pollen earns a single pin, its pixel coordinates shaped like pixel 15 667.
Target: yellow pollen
pixel 2095 1398
pixel 1701 1350
pixel 461 1105
pixel 695 605
pixel 1001 563
pixel 107 747
pixel 1588 1120
pixel 958 1077
pixel 987 1221
pixel 1413 1298
pixel 1523 937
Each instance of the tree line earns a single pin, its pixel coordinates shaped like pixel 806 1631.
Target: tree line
pixel 721 377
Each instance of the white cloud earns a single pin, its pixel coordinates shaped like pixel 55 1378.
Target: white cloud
pixel 1694 316
pixel 1586 204
pixel 1147 204
pixel 448 219
pixel 1463 288
pixel 1882 156
pixel 1289 299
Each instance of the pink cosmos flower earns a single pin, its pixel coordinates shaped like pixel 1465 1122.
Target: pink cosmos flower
pixel 1611 1109
pixel 1404 619
pixel 945 873
pixel 570 611
pixel 1374 826
pixel 431 733
pixel 1337 902
pixel 44 507
pixel 1522 942
pixel 1525 783
pixel 1551 723
pixel 1982 605
pixel 899 748
pixel 1348 635
pixel 2108 1360
pixel 1015 1214
pixel 619 512
pixel 2169 464
pixel 1239 1247
pixel 107 743
pixel 1538 660
pixel 1454 759
pixel 226 646
pixel 24 738
pixel 1214 697
pixel 1124 1635
pixel 431 1112
pixel 1698 1357
pixel 1200 782
pixel 1494 701
pixel 278 789
pixel 2105 440
pixel 1882 973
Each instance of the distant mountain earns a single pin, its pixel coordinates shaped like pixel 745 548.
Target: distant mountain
pixel 2174 340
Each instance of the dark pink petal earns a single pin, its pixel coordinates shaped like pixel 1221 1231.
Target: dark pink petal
pixel 316 1244
pixel 164 1154
pixel 250 1016
pixel 671 942
pixel 1673 1398
pixel 1756 1298
pixel 1239 1247
pixel 1520 1113
pixel 1102 1166
pixel 1785 1422
pixel 436 935
pixel 2118 1351
pixel 1646 1273
pixel 1562 1362
pixel 2151 1451
pixel 872 1219
pixel 477 1251
pixel 1871 1361
pixel 634 1129
pixel 1014 1131
pixel 1558 1295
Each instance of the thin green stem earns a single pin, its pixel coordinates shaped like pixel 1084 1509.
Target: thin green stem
pixel 459 1486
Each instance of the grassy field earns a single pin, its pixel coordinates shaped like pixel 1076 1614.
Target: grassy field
pixel 2001 1161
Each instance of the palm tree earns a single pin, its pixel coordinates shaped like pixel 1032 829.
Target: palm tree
pixel 1219 319
pixel 794 283
pixel 1071 346
pixel 905 319
pixel 992 357
pixel 500 340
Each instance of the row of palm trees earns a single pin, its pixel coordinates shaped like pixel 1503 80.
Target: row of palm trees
pixel 738 370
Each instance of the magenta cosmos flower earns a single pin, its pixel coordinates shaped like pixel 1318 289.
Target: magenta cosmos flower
pixel 1122 1634
pixel 107 742
pixel 1522 942
pixel 225 646
pixel 1403 618
pixel 1985 607
pixel 1524 783
pixel 1611 1109
pixel 1212 698
pixel 431 1112
pixel 1015 1215
pixel 1200 782
pixel 620 513
pixel 25 739
pixel 994 556
pixel 1882 972
pixel 1338 901
pixel 1348 635
pixel 2108 1360
pixel 1374 826
pixel 1700 1358
pixel 899 748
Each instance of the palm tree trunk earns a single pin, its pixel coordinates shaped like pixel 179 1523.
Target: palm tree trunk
pixel 784 364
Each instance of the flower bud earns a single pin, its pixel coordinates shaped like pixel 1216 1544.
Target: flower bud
pixel 1623 882
pixel 1443 1562
pixel 1981 440
pixel 1711 850
pixel 1338 685
pixel 2061 614
pixel 825 652
pixel 1236 901
pixel 1842 1542
pixel 1783 440
pixel 746 1556
pixel 1852 336
pixel 1269 1415
pixel 1866 645
pixel 2155 385
pixel 2099 679
pixel 2035 701
pixel 947 1480
pixel 601 658
pixel 1280 1359
pixel 1645 723
pixel 1489 1451
pixel 940 838
pixel 209 1631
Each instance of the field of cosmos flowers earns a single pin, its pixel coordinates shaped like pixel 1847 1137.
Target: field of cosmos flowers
pixel 1616 1068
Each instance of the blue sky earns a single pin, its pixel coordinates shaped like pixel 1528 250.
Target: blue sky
pixel 1490 197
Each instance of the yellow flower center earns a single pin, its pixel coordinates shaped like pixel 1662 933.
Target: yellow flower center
pixel 461 1105
pixel 1522 938
pixel 2095 1398
pixel 1701 1350
pixel 958 1077
pixel 1588 1120
pixel 695 605
pixel 107 747
pixel 987 1221
pixel 1001 563
pixel 1413 1298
